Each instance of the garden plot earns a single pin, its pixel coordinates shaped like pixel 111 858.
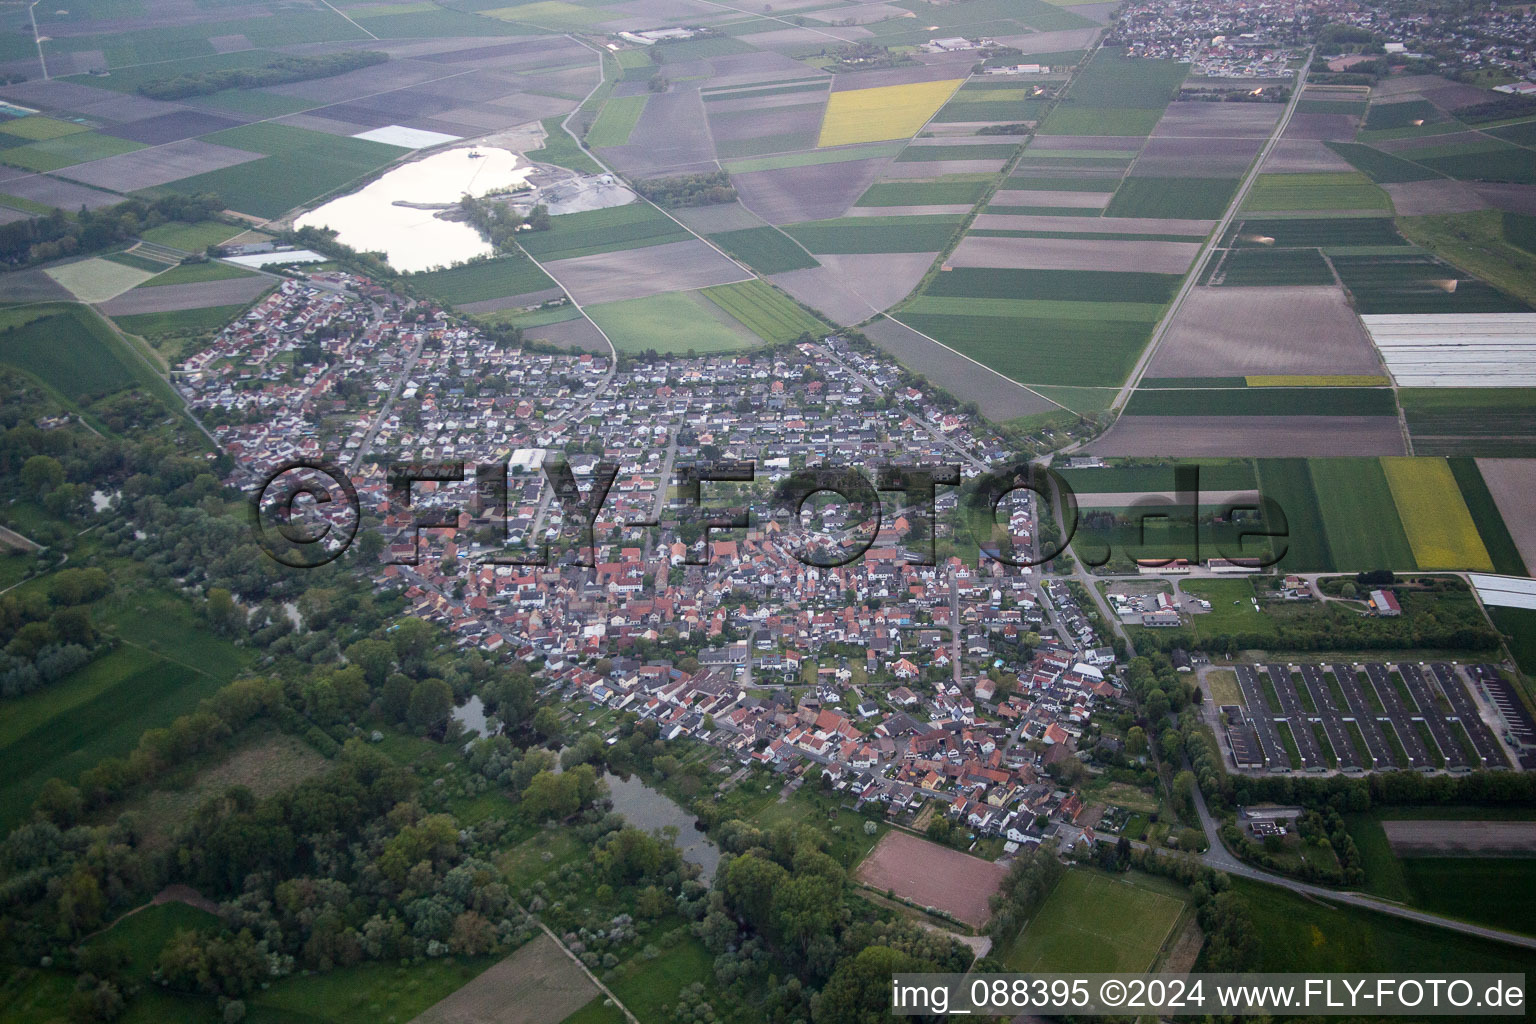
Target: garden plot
pixel 1512 482
pixel 147 168
pixel 1074 254
pixel 1193 119
pixel 1280 436
pixel 636 273
pixel 786 195
pixel 1235 331
pixel 1457 349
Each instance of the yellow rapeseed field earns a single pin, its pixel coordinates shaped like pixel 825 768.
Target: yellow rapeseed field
pixel 1440 529
pixel 887 112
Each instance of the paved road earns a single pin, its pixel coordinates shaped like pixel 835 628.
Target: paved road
pixel 1219 858
pixel 1193 277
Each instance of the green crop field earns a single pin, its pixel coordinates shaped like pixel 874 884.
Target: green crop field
pixel 764 311
pixel 1487 412
pixel 1288 482
pixel 1490 522
pixel 1299 934
pixel 1036 309
pixel 1342 190
pixel 300 165
pixel 1359 515
pixel 671 322
pixel 1097 922
pixel 69 349
pixel 191 237
pixel 1077 183
pixel 1400 115
pixel 1044 350
pixel 1309 232
pixel 1192 198
pixel 876 234
pixel 562 151
pixel 1215 475
pixel 1273 267
pixel 1479 242
pixel 1111 79
pixel 766 250
pixel 514 274
pixel 1418 283
pixel 617 120
pixel 938 192
pixel 1381 167
pixel 967 151
pixel 171 332
pixel 1073 285
pixel 1493 163
pixel 1275 401
pixel 66 151
pixel 1067 119
pixel 608 230
pixel 1519 625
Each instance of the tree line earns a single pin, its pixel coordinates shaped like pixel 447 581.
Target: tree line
pixel 274 72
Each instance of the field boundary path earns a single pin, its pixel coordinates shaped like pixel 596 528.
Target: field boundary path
pixel 1193 277
pixel 604 989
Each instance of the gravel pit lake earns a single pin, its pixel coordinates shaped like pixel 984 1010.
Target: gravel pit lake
pixel 412 239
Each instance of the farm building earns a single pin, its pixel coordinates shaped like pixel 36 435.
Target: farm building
pixel 1383 603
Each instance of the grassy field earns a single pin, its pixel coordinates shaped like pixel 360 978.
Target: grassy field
pixel 1096 922
pixel 885 112
pixel 607 230
pixel 1435 517
pixel 1359 515
pixel 36 128
pixel 191 237
pixel 1296 933
pixel 764 311
pixel 562 151
pixel 1477 242
pixel 1273 268
pixel 1232 608
pixel 299 166
pixel 1289 483
pixel 1380 167
pixel 140 936
pixel 876 234
pixel 617 120
pixel 1192 198
pixel 671 322
pixel 766 250
pixel 937 192
pixel 68 348
pixel 513 274
pixel 1339 190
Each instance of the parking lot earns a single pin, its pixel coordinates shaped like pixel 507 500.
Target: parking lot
pixel 1354 718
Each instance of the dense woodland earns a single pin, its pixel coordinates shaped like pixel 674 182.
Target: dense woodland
pixel 56 234
pixel 688 190
pixel 276 72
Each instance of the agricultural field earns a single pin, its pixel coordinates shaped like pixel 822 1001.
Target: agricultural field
pixel 190 237
pixel 534 985
pixel 599 231
pixel 1271 268
pixel 1482 243
pixel 1360 516
pixel 1097 922
pixel 484 280
pixel 937 192
pixel 1471 421
pixel 669 322
pixel 1434 515
pixel 1320 191
pixel 884 112
pixel 69 349
pixel 196 273
pixel 1276 401
pixel 1115 95
pixel 766 249
pixel 1182 197
pixel 764 311
pixel 922 233
pixel 1289 483
pixel 617 120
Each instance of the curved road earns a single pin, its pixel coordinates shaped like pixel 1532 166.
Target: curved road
pixel 1220 858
